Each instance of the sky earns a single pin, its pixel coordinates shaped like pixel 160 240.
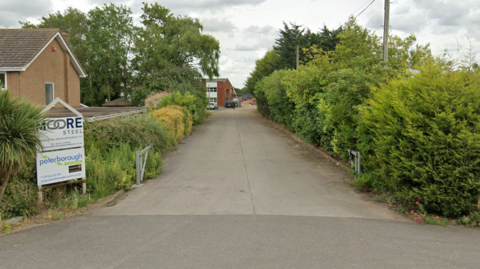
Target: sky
pixel 247 29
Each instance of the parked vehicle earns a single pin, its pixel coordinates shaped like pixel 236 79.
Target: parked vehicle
pixel 229 104
pixel 212 105
pixel 238 102
pixel 253 102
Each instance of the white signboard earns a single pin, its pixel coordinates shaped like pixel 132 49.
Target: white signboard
pixel 57 166
pixel 62 133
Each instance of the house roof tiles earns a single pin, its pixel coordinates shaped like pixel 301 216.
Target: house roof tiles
pixel 19 46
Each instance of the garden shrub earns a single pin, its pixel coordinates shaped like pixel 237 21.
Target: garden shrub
pixel 174 119
pixel 111 170
pixel 304 87
pixel 421 137
pixel 137 131
pixel 195 105
pixel 280 107
pixel 21 193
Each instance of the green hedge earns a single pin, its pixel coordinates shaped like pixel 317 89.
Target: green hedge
pixel 421 139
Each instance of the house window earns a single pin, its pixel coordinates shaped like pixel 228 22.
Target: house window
pixel 213 100
pixel 48 93
pixel 3 81
pixel 212 89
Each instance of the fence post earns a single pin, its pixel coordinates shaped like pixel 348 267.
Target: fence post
pixel 40 195
pixel 138 183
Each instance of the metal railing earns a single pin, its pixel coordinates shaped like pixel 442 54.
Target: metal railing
pixel 140 164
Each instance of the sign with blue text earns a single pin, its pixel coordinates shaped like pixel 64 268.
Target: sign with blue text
pixel 62 133
pixel 61 165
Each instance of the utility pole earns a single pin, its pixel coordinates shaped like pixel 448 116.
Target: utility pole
pixel 385 31
pixel 298 55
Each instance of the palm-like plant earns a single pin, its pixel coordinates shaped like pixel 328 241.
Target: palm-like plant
pixel 19 136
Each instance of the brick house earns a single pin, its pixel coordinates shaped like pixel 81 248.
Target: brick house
pixel 219 90
pixel 38 64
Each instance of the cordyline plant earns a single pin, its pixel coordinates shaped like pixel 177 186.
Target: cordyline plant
pixel 19 136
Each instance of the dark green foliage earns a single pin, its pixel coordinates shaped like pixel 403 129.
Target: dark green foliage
pixel 109 43
pixel 280 107
pixel 136 131
pixel 421 137
pixel 168 40
pixel 114 169
pixel 294 35
pixel 19 136
pixel 21 193
pixel 195 104
pixel 123 60
pixel 263 67
pixel 347 89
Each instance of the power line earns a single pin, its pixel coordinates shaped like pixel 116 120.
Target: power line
pixel 369 4
pixel 365 9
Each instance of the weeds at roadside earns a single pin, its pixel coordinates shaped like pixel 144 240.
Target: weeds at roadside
pixel 5 227
pixel 470 221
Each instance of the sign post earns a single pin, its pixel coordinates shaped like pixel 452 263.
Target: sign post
pixel 63 155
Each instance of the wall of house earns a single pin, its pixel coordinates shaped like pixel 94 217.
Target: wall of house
pixel 49 66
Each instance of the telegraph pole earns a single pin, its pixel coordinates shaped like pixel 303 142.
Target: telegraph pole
pixel 298 55
pixel 385 31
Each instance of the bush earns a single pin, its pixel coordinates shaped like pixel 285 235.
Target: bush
pixel 21 193
pixel 137 131
pixel 195 105
pixel 280 107
pixel 113 170
pixel 174 119
pixel 421 137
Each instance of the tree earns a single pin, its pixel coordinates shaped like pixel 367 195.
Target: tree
pixel 19 137
pixel 168 40
pixel 263 67
pixel 109 42
pixel 286 45
pixel 294 36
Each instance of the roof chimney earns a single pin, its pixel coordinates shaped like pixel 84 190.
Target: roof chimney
pixel 67 38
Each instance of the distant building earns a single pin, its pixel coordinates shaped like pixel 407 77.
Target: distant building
pixel 38 64
pixel 219 90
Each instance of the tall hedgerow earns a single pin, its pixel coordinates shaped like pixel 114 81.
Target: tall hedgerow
pixel 274 90
pixel 420 139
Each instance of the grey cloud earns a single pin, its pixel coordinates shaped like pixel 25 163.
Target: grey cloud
pixel 256 38
pixel 218 25
pixel 208 4
pixel 246 47
pixel 184 7
pixel 261 31
pixel 13 11
pixel 439 16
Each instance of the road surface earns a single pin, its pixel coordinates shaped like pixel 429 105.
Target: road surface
pixel 239 193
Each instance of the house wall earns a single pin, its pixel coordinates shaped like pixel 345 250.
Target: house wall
pixel 49 66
